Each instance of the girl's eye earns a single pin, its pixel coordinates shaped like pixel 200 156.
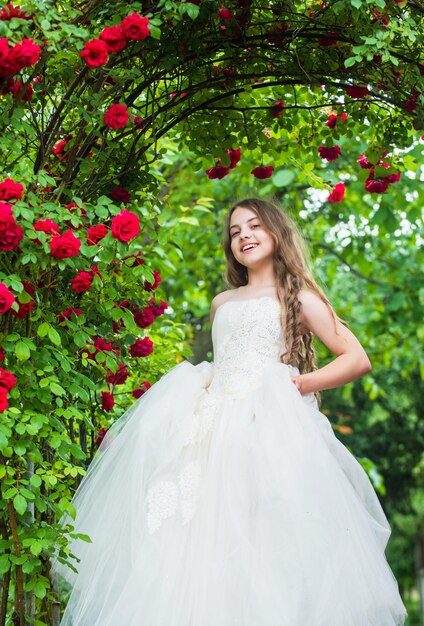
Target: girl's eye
pixel 256 226
pixel 233 234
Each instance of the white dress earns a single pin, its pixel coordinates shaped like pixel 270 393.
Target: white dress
pixel 223 498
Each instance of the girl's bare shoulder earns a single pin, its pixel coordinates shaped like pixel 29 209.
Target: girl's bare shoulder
pixel 219 299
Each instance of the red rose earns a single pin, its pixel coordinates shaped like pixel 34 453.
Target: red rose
pixel 1 354
pixel 218 171
pixel 120 194
pixel 158 309
pixel 393 178
pixel 102 432
pixel 119 377
pixel 65 315
pixel 9 190
pixel 356 92
pixel 108 402
pixel 7 379
pixel 10 11
pixel 263 171
pixel 4 50
pixel 337 193
pixel 6 298
pixel 234 157
pixel 145 317
pixel 6 217
pixel 15 89
pixel 24 309
pixel 64 246
pixel 135 27
pixel 59 149
pixel 137 393
pixel 28 287
pixel 46 226
pixel 96 234
pixel 225 14
pixel 113 38
pixel 3 399
pixel 24 54
pixel 95 53
pixel 152 286
pixel 376 186
pixel 11 237
pixel 330 154
pixel 363 162
pixel 125 225
pixel 81 282
pixel 277 108
pixel 332 119
pixel 141 347
pixel 116 116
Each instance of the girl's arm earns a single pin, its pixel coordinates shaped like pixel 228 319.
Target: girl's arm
pixel 351 361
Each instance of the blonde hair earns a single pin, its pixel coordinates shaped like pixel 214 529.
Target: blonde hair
pixel 291 267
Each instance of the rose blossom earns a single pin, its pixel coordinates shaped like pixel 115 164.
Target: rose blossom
pixel 234 157
pixel 218 171
pixel 95 53
pixel 363 162
pixel 144 386
pixel 263 171
pixel 158 309
pixel 108 402
pixel 24 54
pixel 152 286
pixel 7 379
pixel 376 186
pixel 46 226
pixel 6 217
pixel 145 317
pixel 225 14
pixel 120 194
pixel 64 246
pixel 113 38
pixel 66 314
pixel 116 116
pixel 96 234
pixel 337 193
pixel 277 108
pixel 81 282
pixel 11 237
pixel 119 377
pixel 3 399
pixel 10 11
pixel 135 27
pixel 332 119
pixel 141 347
pixel 9 190
pixel 329 154
pixel 15 89
pixel 6 298
pixel 356 92
pixel 125 226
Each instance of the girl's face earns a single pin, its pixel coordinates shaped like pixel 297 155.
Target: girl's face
pixel 251 243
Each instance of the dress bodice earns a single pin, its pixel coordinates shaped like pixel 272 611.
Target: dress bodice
pixel 246 336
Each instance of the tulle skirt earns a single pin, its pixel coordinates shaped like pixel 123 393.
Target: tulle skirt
pixel 208 510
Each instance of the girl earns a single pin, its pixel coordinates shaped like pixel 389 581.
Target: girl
pixel 222 497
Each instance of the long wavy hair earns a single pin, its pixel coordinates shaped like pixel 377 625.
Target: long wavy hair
pixel 292 271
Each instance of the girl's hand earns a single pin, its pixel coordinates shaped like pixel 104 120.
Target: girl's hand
pixel 297 380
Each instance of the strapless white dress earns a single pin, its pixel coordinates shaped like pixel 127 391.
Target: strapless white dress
pixel 223 498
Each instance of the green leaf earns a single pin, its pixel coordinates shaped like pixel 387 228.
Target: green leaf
pixel 20 504
pixel 282 178
pixel 43 329
pixel 22 351
pixel 57 389
pixel 54 336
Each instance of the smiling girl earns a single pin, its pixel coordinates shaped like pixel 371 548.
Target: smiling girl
pixel 223 497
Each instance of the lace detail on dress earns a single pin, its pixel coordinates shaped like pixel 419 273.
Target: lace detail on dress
pixel 252 339
pixel 164 497
pixel 203 418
